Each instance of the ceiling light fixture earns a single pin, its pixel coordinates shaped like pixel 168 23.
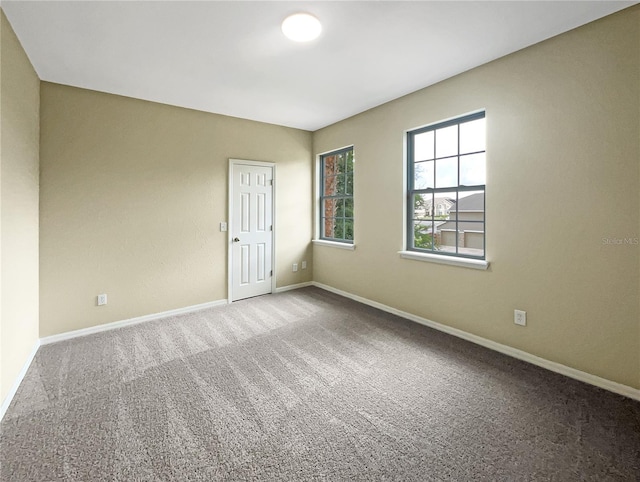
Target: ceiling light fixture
pixel 301 27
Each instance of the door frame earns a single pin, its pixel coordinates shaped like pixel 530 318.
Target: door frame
pixel 233 162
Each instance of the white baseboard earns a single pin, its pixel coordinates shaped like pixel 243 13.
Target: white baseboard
pixel 132 321
pixel 294 287
pixel 614 387
pixel 16 384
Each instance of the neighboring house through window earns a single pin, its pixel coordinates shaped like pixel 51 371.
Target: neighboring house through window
pixel 336 196
pixel 446 188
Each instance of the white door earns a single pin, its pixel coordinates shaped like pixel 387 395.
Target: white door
pixel 251 231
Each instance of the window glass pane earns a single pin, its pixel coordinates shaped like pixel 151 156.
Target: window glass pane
pixel 472 136
pixel 330 165
pixel 471 239
pixel 444 220
pixel 330 208
pixel 349 183
pixel 330 185
pixel 341 163
pixel 464 226
pixel 423 175
pixel 348 229
pixel 470 206
pixel 340 184
pixel 349 155
pixel 339 203
pixel 422 206
pixel 338 230
pixel 329 227
pixel 447 141
pixel 423 236
pixel 444 204
pixel 472 170
pixel 423 146
pixel 446 240
pixel 447 172
pixel 470 227
pixel 348 207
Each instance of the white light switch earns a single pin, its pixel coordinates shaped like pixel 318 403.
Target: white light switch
pixel 223 227
pixel 102 300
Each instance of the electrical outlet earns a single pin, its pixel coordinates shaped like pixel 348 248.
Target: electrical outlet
pixel 102 300
pixel 304 265
pixel 520 317
pixel 295 267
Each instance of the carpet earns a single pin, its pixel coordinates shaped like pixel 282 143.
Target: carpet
pixel 306 385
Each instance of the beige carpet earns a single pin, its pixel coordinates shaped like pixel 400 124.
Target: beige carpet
pixel 306 385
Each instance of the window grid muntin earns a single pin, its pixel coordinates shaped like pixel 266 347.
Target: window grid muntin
pixel 411 191
pixel 348 173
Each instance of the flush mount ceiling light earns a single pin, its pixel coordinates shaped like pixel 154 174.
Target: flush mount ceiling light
pixel 301 27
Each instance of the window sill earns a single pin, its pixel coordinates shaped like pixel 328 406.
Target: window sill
pixel 450 260
pixel 333 244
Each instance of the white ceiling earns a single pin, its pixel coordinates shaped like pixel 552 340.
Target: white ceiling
pixel 231 57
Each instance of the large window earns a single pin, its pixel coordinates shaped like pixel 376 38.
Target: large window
pixel 446 188
pixel 336 196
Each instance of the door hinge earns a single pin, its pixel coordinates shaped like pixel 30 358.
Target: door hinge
pixel 271 273
pixel 271 228
pixel 270 182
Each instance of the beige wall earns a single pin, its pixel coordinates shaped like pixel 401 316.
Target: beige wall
pixel 132 196
pixel 563 172
pixel 19 106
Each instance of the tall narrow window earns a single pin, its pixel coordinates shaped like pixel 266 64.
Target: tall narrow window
pixel 446 188
pixel 336 196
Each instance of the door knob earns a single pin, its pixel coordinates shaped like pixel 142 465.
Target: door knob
pixel 235 240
